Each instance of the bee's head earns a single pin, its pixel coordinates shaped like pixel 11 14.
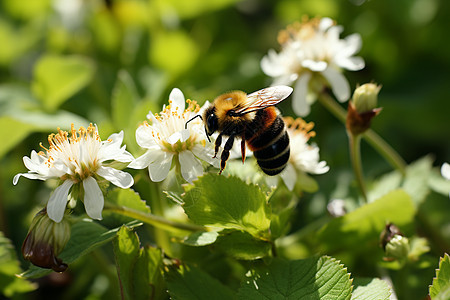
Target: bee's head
pixel 211 121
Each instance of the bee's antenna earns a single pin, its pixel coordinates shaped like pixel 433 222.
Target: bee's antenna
pixel 196 116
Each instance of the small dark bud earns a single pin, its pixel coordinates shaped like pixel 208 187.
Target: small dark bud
pixel 45 241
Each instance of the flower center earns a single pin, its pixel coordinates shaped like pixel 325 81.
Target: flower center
pixel 78 152
pixel 300 126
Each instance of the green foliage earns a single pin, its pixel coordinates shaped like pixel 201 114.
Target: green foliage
pixel 440 289
pixel 361 228
pixel 10 284
pixel 371 289
pixel 57 78
pixel 312 278
pixel 244 207
pixel 189 282
pixel 139 268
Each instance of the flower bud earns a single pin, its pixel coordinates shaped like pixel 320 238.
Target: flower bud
pixel 45 241
pixel 395 245
pixel 362 108
pixel 365 97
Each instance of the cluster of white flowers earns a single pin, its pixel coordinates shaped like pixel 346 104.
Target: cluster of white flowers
pixel 310 52
pixel 79 159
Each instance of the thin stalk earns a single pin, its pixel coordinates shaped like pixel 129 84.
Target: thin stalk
pixel 154 220
pixel 380 145
pixel 355 155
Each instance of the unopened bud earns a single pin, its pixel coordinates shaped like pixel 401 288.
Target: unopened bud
pixel 398 247
pixel 363 108
pixel 45 241
pixel 365 97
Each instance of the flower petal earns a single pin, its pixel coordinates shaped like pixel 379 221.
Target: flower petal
pixel 178 102
pixel 117 177
pixel 351 63
pixel 29 176
pixel 445 171
pixel 93 198
pixel 206 154
pixel 144 160
pixel 144 136
pixel 289 176
pixel 299 103
pixel 159 168
pixel 58 200
pixel 338 82
pixel 191 167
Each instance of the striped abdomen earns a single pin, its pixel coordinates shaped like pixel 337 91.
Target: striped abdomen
pixel 268 139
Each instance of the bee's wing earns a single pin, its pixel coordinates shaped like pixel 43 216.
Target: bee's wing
pixel 264 98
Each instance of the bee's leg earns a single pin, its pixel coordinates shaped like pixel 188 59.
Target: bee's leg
pixel 243 150
pixel 217 145
pixel 226 153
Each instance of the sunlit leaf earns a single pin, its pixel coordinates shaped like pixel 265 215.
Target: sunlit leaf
pixel 227 202
pixel 364 225
pixel 9 140
pixel 371 289
pixel 440 289
pixel 124 99
pixel 242 245
pixel 201 238
pixel 192 8
pixel 312 278
pixel 57 78
pixel 148 281
pixel 10 284
pixel 126 251
pixel 191 283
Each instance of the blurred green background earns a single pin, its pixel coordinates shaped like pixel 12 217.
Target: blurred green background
pixel 65 61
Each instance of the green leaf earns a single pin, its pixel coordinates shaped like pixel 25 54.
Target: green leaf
pixel 126 252
pixel 10 284
pixel 362 227
pixel 124 99
pixel 227 202
pixel 9 141
pixel 371 289
pixel 148 281
pixel 57 78
pixel 192 8
pixel 86 236
pixel 126 198
pixel 440 289
pixel 242 245
pixel 312 278
pixel 201 238
pixel 189 282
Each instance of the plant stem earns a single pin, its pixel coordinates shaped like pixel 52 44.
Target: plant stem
pixel 154 220
pixel 355 155
pixel 380 145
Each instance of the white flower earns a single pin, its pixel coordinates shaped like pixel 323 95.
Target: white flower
pixel 167 138
pixel 304 157
pixel 78 159
pixel 312 51
pixel 445 171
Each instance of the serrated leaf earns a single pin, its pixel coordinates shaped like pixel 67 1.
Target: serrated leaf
pixel 371 289
pixel 364 225
pixel 86 236
pixel 440 289
pixel 312 278
pixel 190 283
pixel 58 77
pixel 227 202
pixel 126 251
pixel 124 99
pixel 242 245
pixel 10 284
pixel 201 238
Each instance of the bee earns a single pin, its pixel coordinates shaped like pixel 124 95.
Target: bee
pixel 255 120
